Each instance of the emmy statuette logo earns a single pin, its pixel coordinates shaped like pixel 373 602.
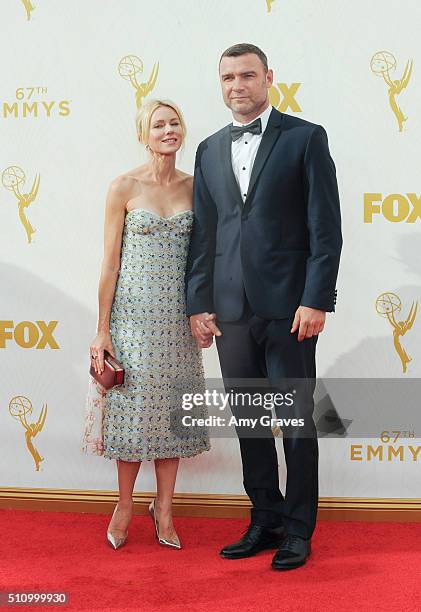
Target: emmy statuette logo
pixel 387 305
pixel 19 408
pixel 12 179
pixel 29 7
pixel 269 5
pixel 282 97
pixel 382 64
pixel 129 68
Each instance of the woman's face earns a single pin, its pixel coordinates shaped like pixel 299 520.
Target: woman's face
pixel 166 134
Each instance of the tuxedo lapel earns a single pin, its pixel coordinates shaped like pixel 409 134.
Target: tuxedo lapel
pixel 270 136
pixel 227 171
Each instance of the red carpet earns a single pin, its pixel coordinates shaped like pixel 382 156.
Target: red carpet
pixel 354 566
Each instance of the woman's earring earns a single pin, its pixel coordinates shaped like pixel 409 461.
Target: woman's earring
pixel 147 147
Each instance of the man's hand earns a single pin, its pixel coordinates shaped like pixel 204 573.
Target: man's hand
pixel 309 322
pixel 203 328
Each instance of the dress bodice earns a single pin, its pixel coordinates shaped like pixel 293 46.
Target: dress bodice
pixel 140 220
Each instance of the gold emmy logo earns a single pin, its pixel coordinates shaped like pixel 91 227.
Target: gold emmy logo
pixel 27 334
pixel 12 178
pixel 269 5
pixel 382 64
pixel 28 8
pixel 282 97
pixel 26 105
pixel 394 207
pixel 387 304
pixel 129 68
pixel 20 407
pixel 391 448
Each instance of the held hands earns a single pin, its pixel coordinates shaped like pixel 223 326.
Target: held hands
pixel 101 342
pixel 203 329
pixel 309 322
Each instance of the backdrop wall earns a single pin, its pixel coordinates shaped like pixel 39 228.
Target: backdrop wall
pixel 73 74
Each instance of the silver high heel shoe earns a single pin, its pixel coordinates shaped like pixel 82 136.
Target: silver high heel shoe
pixel 172 543
pixel 115 541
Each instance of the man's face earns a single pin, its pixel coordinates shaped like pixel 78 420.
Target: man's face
pixel 244 83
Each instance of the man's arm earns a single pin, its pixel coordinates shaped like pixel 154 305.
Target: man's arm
pixel 324 224
pixel 200 262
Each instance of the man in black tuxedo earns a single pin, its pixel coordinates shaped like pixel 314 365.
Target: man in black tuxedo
pixel 261 275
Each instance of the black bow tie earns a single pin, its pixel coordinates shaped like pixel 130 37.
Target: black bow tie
pixel 255 127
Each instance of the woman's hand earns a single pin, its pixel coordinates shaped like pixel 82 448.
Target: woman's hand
pixel 101 342
pixel 204 328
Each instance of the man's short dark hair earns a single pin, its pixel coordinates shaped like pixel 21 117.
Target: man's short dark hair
pixel 242 49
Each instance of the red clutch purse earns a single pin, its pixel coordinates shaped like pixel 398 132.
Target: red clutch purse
pixel 113 374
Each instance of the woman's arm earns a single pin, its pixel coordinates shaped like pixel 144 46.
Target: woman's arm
pixel 115 210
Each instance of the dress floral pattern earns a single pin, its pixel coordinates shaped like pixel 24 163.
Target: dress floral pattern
pixel 150 331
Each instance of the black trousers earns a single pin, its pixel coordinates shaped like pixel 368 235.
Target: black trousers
pixel 255 348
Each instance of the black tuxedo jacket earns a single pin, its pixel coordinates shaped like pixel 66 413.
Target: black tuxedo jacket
pixel 282 246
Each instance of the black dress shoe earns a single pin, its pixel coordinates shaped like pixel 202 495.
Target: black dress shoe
pixel 255 539
pixel 292 553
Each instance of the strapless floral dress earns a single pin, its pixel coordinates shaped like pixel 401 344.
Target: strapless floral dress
pixel 151 336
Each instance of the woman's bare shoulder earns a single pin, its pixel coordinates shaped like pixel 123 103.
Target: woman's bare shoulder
pixel 185 178
pixel 127 181
pixel 184 175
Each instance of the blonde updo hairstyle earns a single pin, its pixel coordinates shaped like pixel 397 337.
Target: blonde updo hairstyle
pixel 144 116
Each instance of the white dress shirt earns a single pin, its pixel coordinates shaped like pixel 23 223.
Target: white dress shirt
pixel 243 152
